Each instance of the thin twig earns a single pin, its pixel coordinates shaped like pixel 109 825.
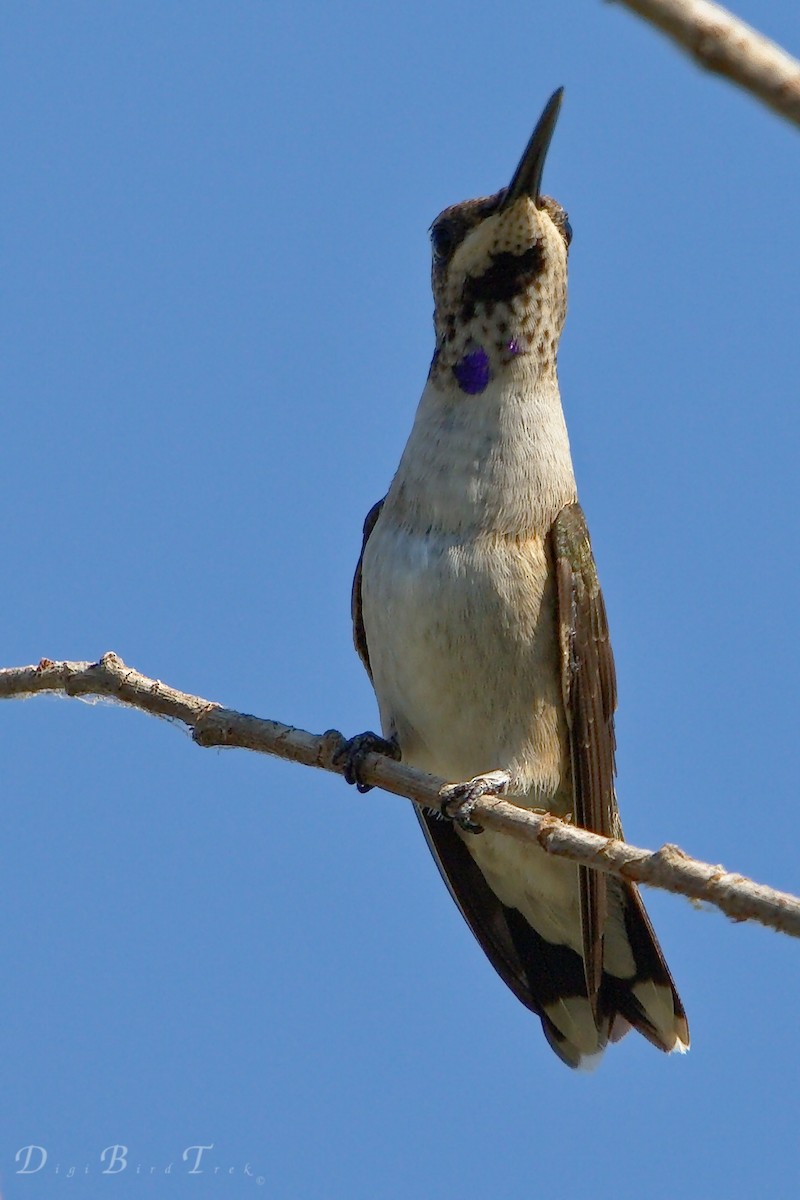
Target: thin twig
pixel 722 43
pixel 212 725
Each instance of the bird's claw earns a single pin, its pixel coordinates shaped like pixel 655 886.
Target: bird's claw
pixel 464 796
pixel 351 754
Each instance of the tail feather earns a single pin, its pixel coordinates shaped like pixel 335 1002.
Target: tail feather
pixel 636 988
pixel 648 999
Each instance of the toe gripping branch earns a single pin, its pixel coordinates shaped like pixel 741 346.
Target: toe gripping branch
pixel 458 800
pixel 351 755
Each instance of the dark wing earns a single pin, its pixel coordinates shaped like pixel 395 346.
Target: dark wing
pixel 359 634
pixel 590 697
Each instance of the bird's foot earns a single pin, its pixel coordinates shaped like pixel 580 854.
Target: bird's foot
pixel 351 754
pixel 459 799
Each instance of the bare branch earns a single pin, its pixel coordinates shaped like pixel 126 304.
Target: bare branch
pixel 212 725
pixel 722 43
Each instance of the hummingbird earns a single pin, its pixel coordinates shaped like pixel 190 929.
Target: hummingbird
pixel 478 615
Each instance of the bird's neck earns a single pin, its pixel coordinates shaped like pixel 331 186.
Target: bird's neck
pixel 495 463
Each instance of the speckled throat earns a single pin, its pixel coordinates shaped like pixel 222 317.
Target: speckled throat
pixel 500 289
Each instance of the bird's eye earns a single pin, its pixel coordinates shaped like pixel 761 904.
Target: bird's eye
pixel 567 230
pixel 443 241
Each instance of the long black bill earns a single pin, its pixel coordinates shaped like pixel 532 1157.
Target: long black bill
pixel 528 175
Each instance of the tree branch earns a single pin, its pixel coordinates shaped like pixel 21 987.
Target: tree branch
pixel 212 725
pixel 722 43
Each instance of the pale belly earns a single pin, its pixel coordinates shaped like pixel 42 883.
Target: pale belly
pixel 464 652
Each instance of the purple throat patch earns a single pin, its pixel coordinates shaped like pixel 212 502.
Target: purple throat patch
pixel 472 371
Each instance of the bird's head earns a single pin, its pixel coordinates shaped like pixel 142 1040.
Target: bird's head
pixel 500 276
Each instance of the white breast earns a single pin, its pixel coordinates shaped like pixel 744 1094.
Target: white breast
pixel 458 598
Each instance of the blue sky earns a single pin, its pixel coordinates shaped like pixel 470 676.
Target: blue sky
pixel 218 323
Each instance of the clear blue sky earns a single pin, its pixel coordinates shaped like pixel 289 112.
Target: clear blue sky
pixel 217 325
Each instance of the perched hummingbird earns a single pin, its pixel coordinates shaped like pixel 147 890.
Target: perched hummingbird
pixel 479 617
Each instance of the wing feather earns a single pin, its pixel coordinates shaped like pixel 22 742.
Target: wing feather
pixel 590 695
pixel 359 633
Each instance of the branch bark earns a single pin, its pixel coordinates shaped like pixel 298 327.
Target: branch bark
pixel 212 725
pixel 722 43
